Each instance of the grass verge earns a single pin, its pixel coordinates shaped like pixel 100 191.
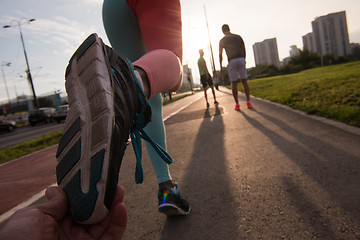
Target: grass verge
pixel 31 146
pixel 332 92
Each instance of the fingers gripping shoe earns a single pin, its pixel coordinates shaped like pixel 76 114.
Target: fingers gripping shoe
pixel 105 104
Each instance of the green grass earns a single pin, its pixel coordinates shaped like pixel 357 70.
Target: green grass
pixel 31 146
pixel 166 102
pixel 332 92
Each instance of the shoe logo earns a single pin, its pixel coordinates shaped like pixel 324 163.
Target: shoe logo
pixel 166 193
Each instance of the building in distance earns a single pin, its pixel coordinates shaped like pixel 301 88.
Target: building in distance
pixel 266 52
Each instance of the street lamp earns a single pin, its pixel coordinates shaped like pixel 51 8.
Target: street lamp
pixel 19 23
pixel 2 70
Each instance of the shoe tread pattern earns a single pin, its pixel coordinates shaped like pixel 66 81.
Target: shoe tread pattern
pixel 83 72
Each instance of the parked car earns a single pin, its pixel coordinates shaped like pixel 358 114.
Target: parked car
pixel 41 115
pixel 60 113
pixel 7 125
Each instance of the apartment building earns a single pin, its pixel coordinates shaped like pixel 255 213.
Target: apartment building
pixel 331 34
pixel 266 52
pixel 309 42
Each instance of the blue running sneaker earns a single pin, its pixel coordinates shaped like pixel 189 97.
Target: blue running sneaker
pixel 106 104
pixel 171 203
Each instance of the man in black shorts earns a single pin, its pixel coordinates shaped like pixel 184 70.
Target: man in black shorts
pixel 205 78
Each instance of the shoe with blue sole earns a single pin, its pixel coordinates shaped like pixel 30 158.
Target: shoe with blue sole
pixel 106 104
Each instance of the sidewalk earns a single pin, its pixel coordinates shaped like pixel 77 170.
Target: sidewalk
pixel 265 173
pixel 23 181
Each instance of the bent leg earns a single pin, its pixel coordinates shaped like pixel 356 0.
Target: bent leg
pixel 205 94
pixel 163 70
pixel 115 14
pixel 156 130
pixel 235 91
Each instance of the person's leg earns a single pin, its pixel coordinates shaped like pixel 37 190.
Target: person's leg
pixel 234 89
pixel 115 11
pixel 161 70
pixel 156 130
pixel 234 79
pixel 243 77
pixel 213 92
pixel 211 85
pixel 160 24
pixel 246 89
pixel 205 94
pixel 161 28
pixel 145 34
pixel 205 87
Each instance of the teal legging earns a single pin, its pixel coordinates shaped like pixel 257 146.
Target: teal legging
pixel 123 32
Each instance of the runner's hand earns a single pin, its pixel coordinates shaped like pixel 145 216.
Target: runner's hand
pixel 51 220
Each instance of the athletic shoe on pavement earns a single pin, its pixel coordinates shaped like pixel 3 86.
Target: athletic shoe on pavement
pixel 106 103
pixel 249 105
pixel 207 105
pixel 171 203
pixel 237 107
pixel 216 103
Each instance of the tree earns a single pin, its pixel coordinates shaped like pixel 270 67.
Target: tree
pixel 305 60
pixel 261 71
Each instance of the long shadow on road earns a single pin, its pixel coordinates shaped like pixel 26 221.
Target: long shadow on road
pixel 331 168
pixel 207 182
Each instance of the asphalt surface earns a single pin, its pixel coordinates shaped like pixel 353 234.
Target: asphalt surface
pixel 23 134
pixel 265 173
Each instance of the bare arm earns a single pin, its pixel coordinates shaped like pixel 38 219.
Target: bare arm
pixel 244 50
pixel 220 54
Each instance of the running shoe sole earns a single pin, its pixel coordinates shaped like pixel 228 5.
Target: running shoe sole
pixel 93 144
pixel 172 210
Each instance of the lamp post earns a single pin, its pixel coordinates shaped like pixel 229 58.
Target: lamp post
pixel 2 70
pixel 19 23
pixel 211 50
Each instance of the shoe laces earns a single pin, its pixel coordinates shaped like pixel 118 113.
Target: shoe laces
pixel 137 132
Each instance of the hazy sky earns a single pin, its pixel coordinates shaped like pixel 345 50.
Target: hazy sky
pixel 62 25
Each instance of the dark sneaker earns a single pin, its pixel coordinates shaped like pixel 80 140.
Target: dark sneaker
pixel 216 103
pixel 207 105
pixel 105 105
pixel 171 203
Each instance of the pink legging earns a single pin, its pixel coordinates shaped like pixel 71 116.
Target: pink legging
pixel 161 31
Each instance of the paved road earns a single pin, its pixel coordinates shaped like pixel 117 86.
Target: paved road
pixel 266 173
pixel 27 133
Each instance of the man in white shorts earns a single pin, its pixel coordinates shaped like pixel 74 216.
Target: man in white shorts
pixel 235 50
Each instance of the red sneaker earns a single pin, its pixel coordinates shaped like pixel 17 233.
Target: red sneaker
pixel 249 105
pixel 237 107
